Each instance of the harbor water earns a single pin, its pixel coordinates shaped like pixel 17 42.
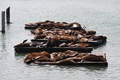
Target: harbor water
pixel 102 16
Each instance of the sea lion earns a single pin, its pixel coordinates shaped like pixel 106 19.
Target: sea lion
pixel 40 36
pixel 99 38
pixel 90 32
pixel 81 58
pixel 32 57
pixel 27 44
pixel 37 31
pixel 93 57
pixel 75 26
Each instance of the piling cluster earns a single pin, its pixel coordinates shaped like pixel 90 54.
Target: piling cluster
pixel 3 19
pixel 61 43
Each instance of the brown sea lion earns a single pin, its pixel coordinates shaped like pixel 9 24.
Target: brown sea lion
pixel 27 44
pixel 81 58
pixel 37 31
pixel 83 45
pixel 55 56
pixel 99 37
pixel 93 57
pixel 90 32
pixel 63 45
pixel 31 24
pixel 31 57
pixel 40 36
pixel 75 26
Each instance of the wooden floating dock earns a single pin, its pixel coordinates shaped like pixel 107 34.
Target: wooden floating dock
pixel 78 63
pixel 94 43
pixel 87 63
pixel 53 49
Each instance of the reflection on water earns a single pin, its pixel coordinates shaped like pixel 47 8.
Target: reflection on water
pixel 19 54
pixel 78 67
pixel 2 45
pixel 100 46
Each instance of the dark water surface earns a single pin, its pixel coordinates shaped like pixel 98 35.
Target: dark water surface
pixel 100 15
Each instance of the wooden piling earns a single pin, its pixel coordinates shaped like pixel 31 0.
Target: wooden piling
pixel 3 22
pixel 8 15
